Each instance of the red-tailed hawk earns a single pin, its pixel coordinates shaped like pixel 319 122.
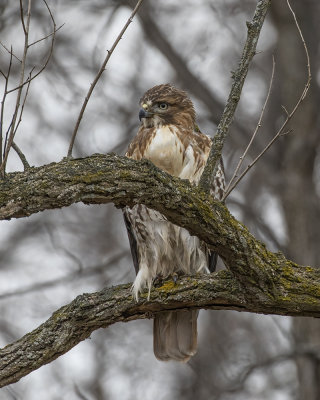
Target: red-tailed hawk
pixel 169 137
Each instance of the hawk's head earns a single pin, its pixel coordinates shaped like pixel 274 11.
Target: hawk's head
pixel 166 105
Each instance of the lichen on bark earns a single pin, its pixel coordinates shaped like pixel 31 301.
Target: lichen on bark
pixel 257 280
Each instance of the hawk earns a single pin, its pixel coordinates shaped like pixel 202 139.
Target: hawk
pixel 169 137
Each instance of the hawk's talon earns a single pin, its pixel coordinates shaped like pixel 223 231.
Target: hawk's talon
pixel 175 277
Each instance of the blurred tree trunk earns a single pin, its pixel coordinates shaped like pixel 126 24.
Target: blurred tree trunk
pixel 297 189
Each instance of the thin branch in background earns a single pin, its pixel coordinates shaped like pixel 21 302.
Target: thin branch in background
pixel 22 19
pixel 232 183
pixel 285 110
pixel 96 79
pixel 23 159
pixel 249 50
pixel 22 71
pixel 53 35
pixel 312 353
pixel 47 36
pixel 289 115
pixel 6 77
pixel 10 52
pixel 287 132
pixel 6 137
pixel 86 272
pixel 14 124
pixel 23 104
pixel 57 246
pixel 285 333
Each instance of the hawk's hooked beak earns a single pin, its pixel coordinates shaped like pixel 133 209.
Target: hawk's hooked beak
pixel 144 114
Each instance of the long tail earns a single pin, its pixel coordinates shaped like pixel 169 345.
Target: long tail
pixel 175 335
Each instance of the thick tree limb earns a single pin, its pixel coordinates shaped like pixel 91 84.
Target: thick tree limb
pixel 111 178
pixel 257 280
pixel 76 321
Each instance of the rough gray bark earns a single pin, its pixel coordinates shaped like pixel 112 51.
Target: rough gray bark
pixel 258 281
pixel 76 321
pixel 111 178
pixel 268 282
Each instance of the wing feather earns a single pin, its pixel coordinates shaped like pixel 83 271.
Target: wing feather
pixel 132 240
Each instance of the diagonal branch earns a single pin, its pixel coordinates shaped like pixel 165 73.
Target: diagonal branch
pixel 254 28
pixel 100 72
pixel 234 181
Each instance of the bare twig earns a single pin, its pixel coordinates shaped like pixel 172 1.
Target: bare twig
pixel 286 132
pixel 23 159
pixel 55 29
pixel 47 36
pixel 14 123
pixel 23 104
pixel 289 115
pixel 6 77
pixel 10 51
pixel 22 70
pixel 6 138
pixel 254 28
pixel 285 110
pixel 22 19
pixel 232 184
pixel 96 79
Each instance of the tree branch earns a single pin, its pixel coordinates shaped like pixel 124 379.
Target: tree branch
pixel 234 181
pixel 111 178
pixel 22 157
pixel 257 281
pixel 76 321
pixel 249 50
pixel 8 142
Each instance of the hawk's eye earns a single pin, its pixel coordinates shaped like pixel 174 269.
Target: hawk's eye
pixel 163 106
